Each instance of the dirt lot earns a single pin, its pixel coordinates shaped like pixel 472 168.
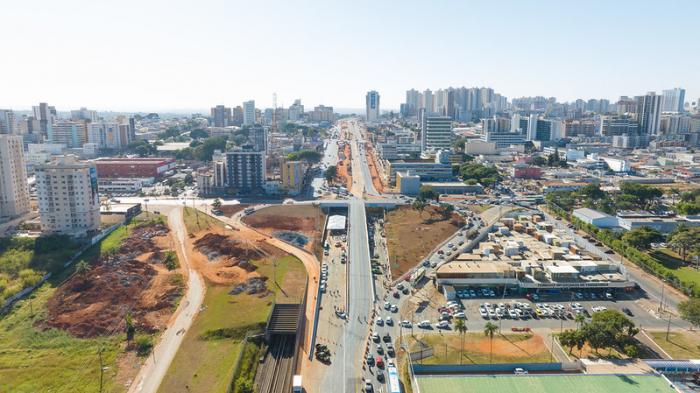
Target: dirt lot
pixel 509 348
pixel 224 258
pixel 230 210
pixel 411 237
pixel 305 219
pixel 376 179
pixel 131 279
pixel 345 168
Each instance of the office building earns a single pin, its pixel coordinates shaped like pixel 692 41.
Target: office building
pixel 372 106
pixel 649 113
pixel 14 191
pixel 293 176
pixel 83 114
pixel 45 114
pixel 221 116
pixel 436 133
pixel 322 113
pixel 618 125
pixel 68 198
pixel 249 113
pixel 427 170
pixel 295 111
pixel 674 100
pixel 73 134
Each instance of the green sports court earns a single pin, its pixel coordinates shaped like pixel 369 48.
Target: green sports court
pixel 562 383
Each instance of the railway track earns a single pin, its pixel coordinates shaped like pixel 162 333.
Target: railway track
pixel 277 371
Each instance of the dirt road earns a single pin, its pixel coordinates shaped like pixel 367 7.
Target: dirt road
pixel 153 370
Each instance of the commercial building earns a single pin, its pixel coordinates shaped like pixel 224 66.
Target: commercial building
pixel 618 125
pixel 478 147
pixel 521 171
pixel 649 113
pixel 134 167
pixel 407 183
pixel 596 218
pixel 68 198
pixel 258 136
pixel 372 106
pixel 14 191
pixel 73 134
pixel 427 170
pixel 121 185
pixel 293 174
pixel 221 116
pixel 322 113
pixel 436 133
pixel 249 113
pixel 8 122
pixel 454 187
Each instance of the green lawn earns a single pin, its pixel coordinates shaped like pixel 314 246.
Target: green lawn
pixel 509 348
pixel 680 345
pixel 673 262
pixel 546 384
pixel 207 365
pixel 196 221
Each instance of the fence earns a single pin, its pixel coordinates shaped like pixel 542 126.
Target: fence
pixel 494 368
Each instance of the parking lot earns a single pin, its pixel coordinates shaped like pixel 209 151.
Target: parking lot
pixel 554 310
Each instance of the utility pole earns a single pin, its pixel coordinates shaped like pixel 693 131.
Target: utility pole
pixel 102 367
pixel 668 327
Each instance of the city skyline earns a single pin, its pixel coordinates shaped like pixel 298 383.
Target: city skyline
pixel 333 55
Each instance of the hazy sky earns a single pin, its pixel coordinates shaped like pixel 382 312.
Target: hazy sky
pixel 190 55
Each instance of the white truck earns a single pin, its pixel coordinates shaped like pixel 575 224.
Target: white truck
pixel 296 384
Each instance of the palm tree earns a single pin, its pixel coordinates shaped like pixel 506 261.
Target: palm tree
pixel 580 319
pixel 461 327
pixel 216 204
pixel 419 205
pixel 489 330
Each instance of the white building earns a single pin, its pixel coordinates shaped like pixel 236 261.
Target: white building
pixel 372 106
pixel 596 218
pixel 674 100
pixel 109 135
pixel 68 198
pixel 249 113
pixel 73 134
pixel 14 191
pixel 436 133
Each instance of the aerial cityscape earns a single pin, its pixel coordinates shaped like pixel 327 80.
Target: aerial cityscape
pixel 349 198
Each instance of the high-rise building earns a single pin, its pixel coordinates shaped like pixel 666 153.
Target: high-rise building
pixel 413 102
pixel 372 106
pixel 296 110
pixel 68 198
pixel 618 125
pixel 674 100
pixel 428 103
pixel 436 133
pixel 258 136
pixel 8 122
pixel 293 176
pixel 222 116
pixel 109 135
pixel 244 170
pixel 45 114
pixel 14 191
pixel 70 133
pixel 83 114
pixel 649 113
pixel 249 113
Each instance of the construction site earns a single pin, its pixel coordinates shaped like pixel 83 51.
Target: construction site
pixel 132 279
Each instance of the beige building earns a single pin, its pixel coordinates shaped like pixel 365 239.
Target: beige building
pixel 14 191
pixel 73 134
pixel 293 176
pixel 68 199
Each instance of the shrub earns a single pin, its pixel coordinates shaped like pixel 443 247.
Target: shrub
pixel 144 344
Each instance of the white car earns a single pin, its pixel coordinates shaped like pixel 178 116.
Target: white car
pixel 389 321
pixel 442 325
pixel 424 324
pixel 460 315
pixel 406 324
pixel 483 312
pixel 393 308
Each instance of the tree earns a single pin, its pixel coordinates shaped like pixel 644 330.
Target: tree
pixel 641 238
pixel 198 134
pixel 129 327
pixel 489 330
pixel 427 193
pixel 539 161
pixel 310 156
pixel 579 319
pixel 690 311
pixel 82 268
pixel 331 173
pixel 419 205
pixel 461 327
pixel 683 240
pixel 205 151
pixel 216 204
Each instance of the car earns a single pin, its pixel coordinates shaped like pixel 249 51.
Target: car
pixel 380 321
pixel 627 311
pixel 393 308
pixel 370 359
pixel 380 376
pixel 442 325
pixel 389 321
pixel 426 263
pixel 406 324
pixel 368 387
pixel 390 349
pixel 609 296
pixel 387 305
pixel 375 337
pixel 380 350
pixel 484 314
pixel 520 371
pixel 460 315
pixel 387 338
pixel 399 286
pixel 424 324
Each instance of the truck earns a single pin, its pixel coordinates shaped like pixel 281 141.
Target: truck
pixel 296 384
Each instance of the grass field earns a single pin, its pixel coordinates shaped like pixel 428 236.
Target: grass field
pixel 411 236
pixel 207 365
pixel 509 348
pixel 674 262
pixel 196 221
pixel 680 345
pixel 546 384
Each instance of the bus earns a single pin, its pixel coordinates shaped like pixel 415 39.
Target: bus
pixel 394 386
pixel 296 384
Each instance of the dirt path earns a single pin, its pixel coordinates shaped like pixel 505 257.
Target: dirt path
pixel 154 368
